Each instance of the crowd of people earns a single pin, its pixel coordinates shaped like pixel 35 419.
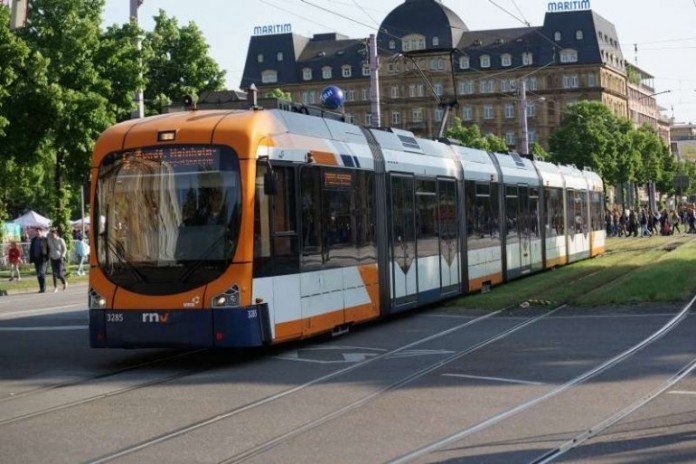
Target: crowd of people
pixel 644 222
pixel 46 248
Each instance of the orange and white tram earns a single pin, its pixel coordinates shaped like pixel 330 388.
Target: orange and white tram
pixel 245 228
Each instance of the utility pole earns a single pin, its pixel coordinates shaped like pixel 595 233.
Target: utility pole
pixel 18 13
pixel 523 147
pixel 139 111
pixel 374 82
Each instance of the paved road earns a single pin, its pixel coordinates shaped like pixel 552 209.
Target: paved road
pixel 428 387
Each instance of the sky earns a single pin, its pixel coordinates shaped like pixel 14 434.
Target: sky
pixel 662 31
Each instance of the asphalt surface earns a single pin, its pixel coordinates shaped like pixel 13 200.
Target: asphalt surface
pixel 426 387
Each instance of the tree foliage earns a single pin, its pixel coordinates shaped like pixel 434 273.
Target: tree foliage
pixel 63 80
pixel 470 136
pixel 177 63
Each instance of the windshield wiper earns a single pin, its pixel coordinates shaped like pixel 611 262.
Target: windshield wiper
pixel 204 258
pixel 117 250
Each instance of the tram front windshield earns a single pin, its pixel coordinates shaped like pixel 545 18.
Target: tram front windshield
pixel 167 218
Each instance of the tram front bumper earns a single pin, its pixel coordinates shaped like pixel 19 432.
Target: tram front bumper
pixel 195 328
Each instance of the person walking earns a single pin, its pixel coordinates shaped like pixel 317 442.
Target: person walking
pixel 14 256
pixel 56 252
pixel 82 252
pixel 38 255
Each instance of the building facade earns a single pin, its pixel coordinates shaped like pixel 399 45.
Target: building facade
pixel 429 60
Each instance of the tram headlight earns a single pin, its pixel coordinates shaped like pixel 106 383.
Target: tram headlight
pixel 96 301
pixel 228 299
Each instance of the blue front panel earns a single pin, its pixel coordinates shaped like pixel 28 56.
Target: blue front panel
pixel 158 329
pixel 220 327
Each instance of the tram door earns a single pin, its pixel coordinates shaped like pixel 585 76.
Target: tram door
pixel 525 229
pixel 404 266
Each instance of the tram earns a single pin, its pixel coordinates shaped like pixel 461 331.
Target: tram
pixel 243 228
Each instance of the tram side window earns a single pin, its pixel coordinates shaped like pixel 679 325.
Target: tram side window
pixel 597 210
pixel 576 211
pixel 554 212
pixel 448 231
pixel 534 213
pixel 480 216
pixel 403 224
pixel 511 213
pixel 337 225
pixel 426 218
pixel 275 232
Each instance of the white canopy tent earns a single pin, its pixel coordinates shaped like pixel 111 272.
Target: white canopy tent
pixel 32 219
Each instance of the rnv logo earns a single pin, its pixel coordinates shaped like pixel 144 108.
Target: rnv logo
pixel 156 317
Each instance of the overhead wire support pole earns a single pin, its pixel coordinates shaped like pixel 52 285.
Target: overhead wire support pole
pixel 139 111
pixel 374 82
pixel 524 132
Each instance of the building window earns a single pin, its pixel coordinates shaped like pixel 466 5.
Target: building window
pixel 350 95
pixel 433 64
pixel 485 61
pixel 412 90
pixel 527 58
pixel 465 87
pixel 532 83
pixel 365 70
pixel 396 117
pixel 488 112
pixel 368 119
pixel 579 35
pixel 439 114
pixel 557 36
pixel 463 62
pixel 507 85
pixel 591 80
pixel 346 70
pixel 531 110
pixel 569 55
pixel 413 42
pixel 436 41
pixel 467 113
pixel 440 64
pixel 532 136
pixel 279 56
pixel 365 94
pixel 510 137
pixel 392 44
pixel 309 97
pixel 394 92
pixel 307 74
pixel 420 90
pixel 438 88
pixel 269 77
pixel 259 58
pixel 417 115
pixel 509 111
pixel 570 81
pixel 486 86
pixel 326 72
pixel 506 59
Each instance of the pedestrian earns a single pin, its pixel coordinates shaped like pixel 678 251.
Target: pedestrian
pixel 675 222
pixel 82 252
pixel 56 252
pixel 38 254
pixel 14 256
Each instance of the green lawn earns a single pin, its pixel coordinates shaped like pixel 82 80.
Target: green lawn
pixel 632 270
pixel 29 282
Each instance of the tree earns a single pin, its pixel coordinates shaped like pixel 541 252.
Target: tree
pixel 177 63
pixel 471 137
pixel 67 33
pixel 539 152
pixel 587 138
pixel 279 93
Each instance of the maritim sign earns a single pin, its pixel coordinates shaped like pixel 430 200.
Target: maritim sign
pixel 270 29
pixel 574 5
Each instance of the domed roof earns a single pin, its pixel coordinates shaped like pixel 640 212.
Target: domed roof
pixel 429 18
